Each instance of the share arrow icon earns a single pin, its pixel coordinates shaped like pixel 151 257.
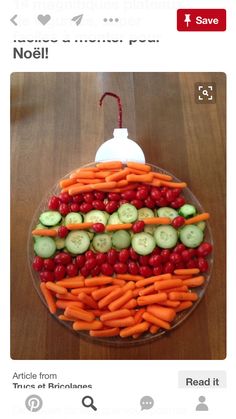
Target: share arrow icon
pixel 77 19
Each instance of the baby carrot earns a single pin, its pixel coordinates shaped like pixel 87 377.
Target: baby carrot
pixel 139 166
pixel 73 282
pixel 157 220
pixel 55 288
pixel 116 227
pixel 105 333
pixel 48 297
pixel 128 286
pixel 113 295
pixel 118 175
pixel 103 185
pixel 191 271
pixel 79 226
pixel 173 184
pixel 169 303
pixel 83 325
pixel 64 183
pixel 168 283
pixel 136 291
pixel 115 315
pixel 109 165
pixel 76 189
pixel 162 176
pixel 123 322
pixel 151 299
pixel 163 313
pixel 68 297
pixel 130 304
pixel 84 174
pixel 98 280
pixel 102 174
pixel 87 290
pixel 122 183
pixel 79 313
pixel 44 232
pixel 120 282
pixel 66 319
pixel 86 299
pixel 139 315
pixel 132 330
pixel 155 320
pixel 152 279
pixel 183 296
pixel 153 329
pixel 140 178
pixel 194 282
pixel 183 288
pixel 120 301
pixel 146 291
pixel 88 181
pixel 200 217
pixel 183 306
pixel 102 292
pixel 63 304
pixel 129 277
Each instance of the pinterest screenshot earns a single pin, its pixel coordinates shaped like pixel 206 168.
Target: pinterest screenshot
pixel 118 209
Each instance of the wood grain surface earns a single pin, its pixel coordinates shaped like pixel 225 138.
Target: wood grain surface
pixel 57 126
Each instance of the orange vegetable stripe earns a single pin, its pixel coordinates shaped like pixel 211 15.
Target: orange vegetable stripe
pixel 103 185
pixel 98 280
pixel 87 290
pixel 183 306
pixel 44 232
pixel 83 325
pixel 109 165
pixel 194 282
pixel 173 184
pixel 105 333
pixel 55 288
pixel 155 320
pixel 120 282
pixel 66 319
pixel 140 178
pixel 152 279
pixel 157 220
pixel 79 226
pixel 79 313
pixel 75 189
pixel 130 304
pixel 164 313
pixel 168 283
pixel 152 299
pixel 84 174
pixel 115 315
pixel 88 181
pixel 183 296
pixel 102 292
pixel 68 297
pixel 200 217
pixel 153 329
pixel 107 299
pixel 132 330
pixel 123 322
pixel 162 176
pixel 48 298
pixel 139 166
pixel 105 174
pixel 154 182
pixel 192 271
pixel 120 301
pixel 64 183
pixel 118 175
pixel 88 300
pixel 129 277
pixel 115 227
pixel 122 183
pixel 64 303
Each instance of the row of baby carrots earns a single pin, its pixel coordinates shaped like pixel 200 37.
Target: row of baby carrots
pixel 116 177
pixel 125 305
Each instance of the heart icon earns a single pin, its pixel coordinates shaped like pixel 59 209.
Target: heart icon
pixel 44 19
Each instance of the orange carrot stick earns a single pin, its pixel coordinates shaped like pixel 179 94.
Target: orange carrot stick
pixel 79 313
pixel 65 318
pixel 130 304
pixel 146 291
pixel 163 313
pixel 140 178
pixel 151 299
pixel 88 181
pixel 183 296
pixel 83 325
pixel 122 183
pixel 153 329
pixel 79 226
pixel 105 333
pixel 162 176
pixel 118 175
pixel 183 288
pixel 113 295
pixel 68 297
pixel 98 280
pixel 64 183
pixel 123 322
pixel 116 227
pixel 44 232
pixel 102 174
pixel 103 185
pixel 194 282
pixel 76 189
pixel 55 288
pixel 183 306
pixel 63 304
pixel 102 292
pixel 49 298
pixel 115 315
pixel 72 282
pixel 155 320
pixel 84 174
pixel 157 220
pixel 169 303
pixel 200 217
pixel 168 283
pixel 139 166
pixel 139 315
pixel 132 330
pixel 86 299
pixel 120 301
pixel 191 271
pixel 87 290
pixel 173 184
pixel 128 286
pixel 129 277
pixel 152 279
pixel 109 165
pixel 120 282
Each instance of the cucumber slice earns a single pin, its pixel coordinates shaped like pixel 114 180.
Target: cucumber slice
pixel 73 218
pixel 145 213
pixel 38 227
pixel 143 243
pixel 91 235
pixel 102 242
pixel 95 216
pixel 167 212
pixel 127 213
pixel 201 225
pixel 77 242
pixel 121 239
pixel 50 218
pixel 45 247
pixel 191 236
pixel 187 211
pixel 114 218
pixel 150 229
pixel 166 236
pixel 60 243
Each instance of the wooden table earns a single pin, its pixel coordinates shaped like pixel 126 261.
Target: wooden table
pixel 57 126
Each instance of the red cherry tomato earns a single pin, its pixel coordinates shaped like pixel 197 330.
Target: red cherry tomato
pixel 49 264
pixel 113 196
pixel 75 207
pixel 120 268
pixel 111 206
pixel 71 269
pixel 59 272
pixel 80 261
pixel 63 258
pixel 99 205
pixel 86 207
pixel 204 249
pixel 123 255
pixel 37 263
pixel 65 197
pixel 155 260
pixel 107 269
pixel 64 209
pixel 138 226
pixel 62 232
pixel 46 276
pixel 98 227
pixel 53 203
pixel 128 195
pixel 178 222
pixel 145 271
pixel 133 268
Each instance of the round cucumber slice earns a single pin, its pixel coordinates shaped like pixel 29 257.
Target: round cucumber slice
pixel 150 229
pixel 95 216
pixel 145 213
pixel 121 239
pixel 127 213
pixel 114 218
pixel 167 212
pixel 45 247
pixel 187 211
pixel 143 243
pixel 50 218
pixel 73 218
pixel 191 236
pixel 77 242
pixel 201 225
pixel 60 243
pixel 166 236
pixel 102 242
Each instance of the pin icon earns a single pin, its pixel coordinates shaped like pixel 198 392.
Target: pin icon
pixel 33 403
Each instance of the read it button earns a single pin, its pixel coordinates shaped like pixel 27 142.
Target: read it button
pixel 202 379
pixel 201 20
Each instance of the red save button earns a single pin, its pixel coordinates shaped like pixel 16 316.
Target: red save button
pixel 201 20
